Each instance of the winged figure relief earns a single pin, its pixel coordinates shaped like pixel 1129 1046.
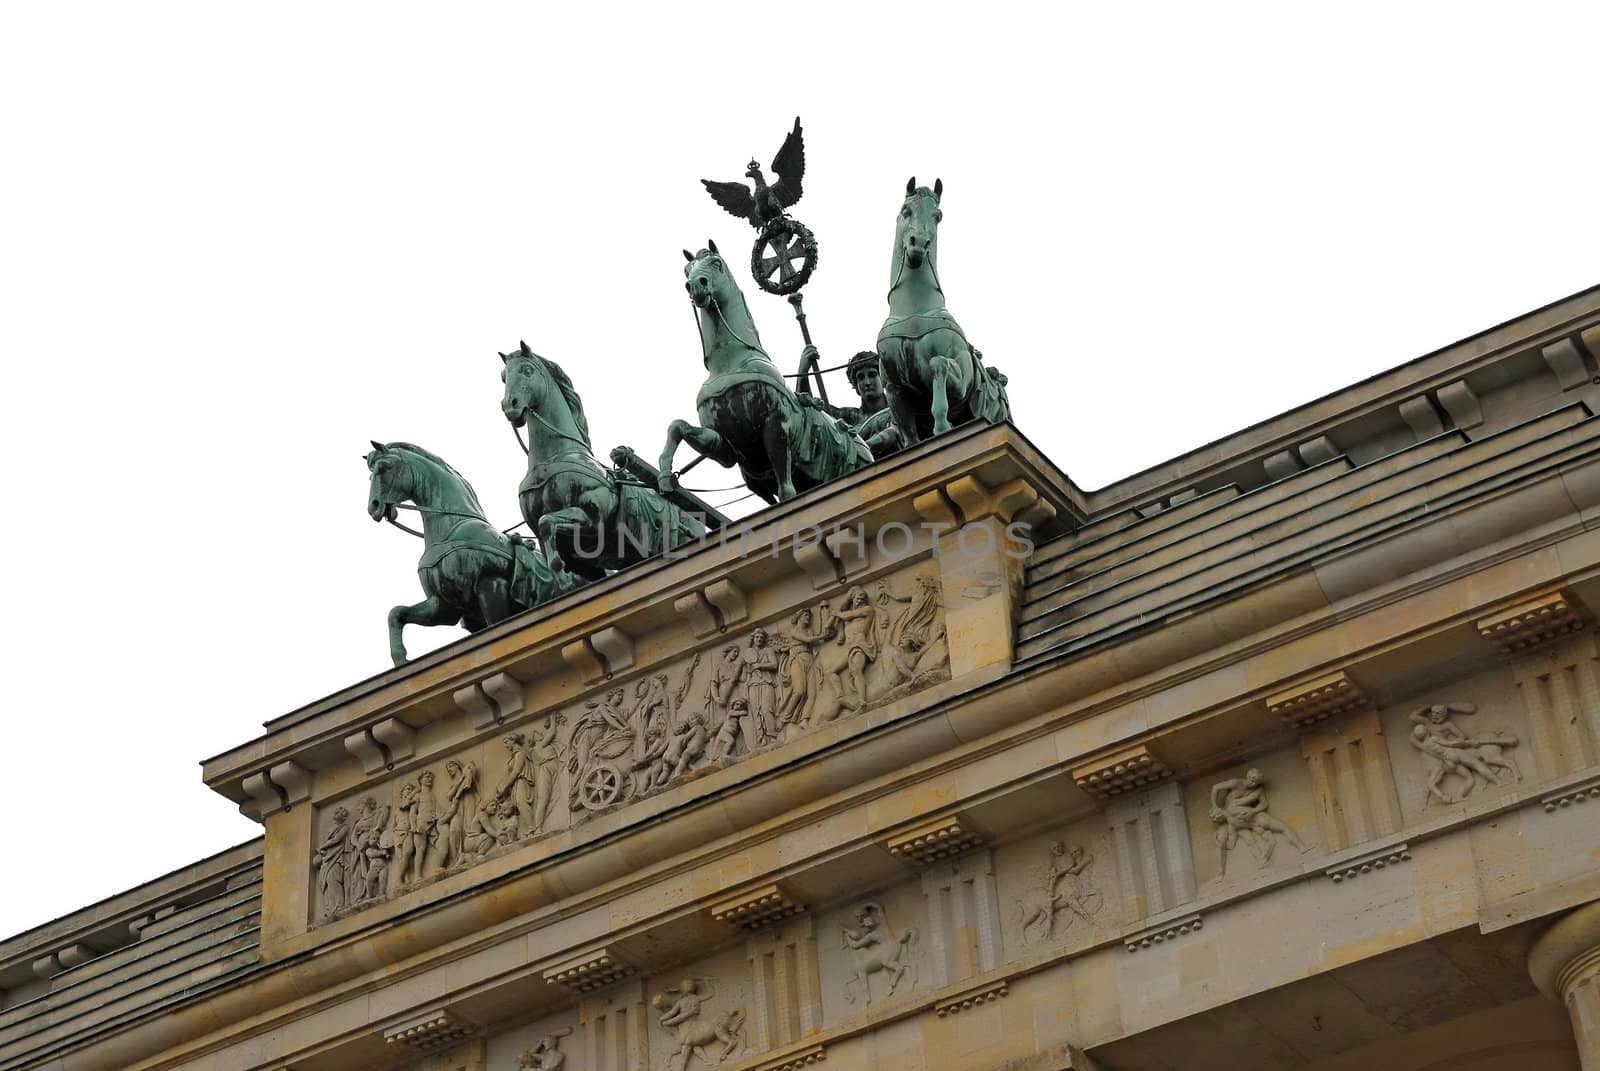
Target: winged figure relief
pixel 765 203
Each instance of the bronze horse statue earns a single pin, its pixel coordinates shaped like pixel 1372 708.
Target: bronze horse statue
pixel 591 518
pixel 471 572
pixel 748 415
pixel 933 377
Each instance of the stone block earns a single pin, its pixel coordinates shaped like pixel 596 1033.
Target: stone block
pixel 432 1031
pixel 1125 770
pixel 1533 621
pixel 756 908
pixel 1312 701
pixel 929 841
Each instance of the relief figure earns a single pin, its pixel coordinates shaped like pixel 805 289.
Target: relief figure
pixel 407 844
pixel 876 949
pixel 695 1036
pixel 516 784
pixel 1448 752
pixel 761 686
pixel 330 862
pixel 1239 809
pixel 460 808
pixel 1064 884
pixel 545 1053
pixel 369 854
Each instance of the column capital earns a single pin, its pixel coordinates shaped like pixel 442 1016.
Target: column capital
pixel 1567 953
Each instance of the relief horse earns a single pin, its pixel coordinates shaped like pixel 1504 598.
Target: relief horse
pixel 748 415
pixel 933 377
pixel 471 572
pixel 590 518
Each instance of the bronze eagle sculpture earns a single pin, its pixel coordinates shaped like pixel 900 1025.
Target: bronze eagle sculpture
pixel 766 203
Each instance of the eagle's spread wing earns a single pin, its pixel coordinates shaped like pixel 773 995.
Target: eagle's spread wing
pixel 790 166
pixel 735 197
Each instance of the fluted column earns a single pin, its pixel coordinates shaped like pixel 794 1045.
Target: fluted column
pixel 1565 965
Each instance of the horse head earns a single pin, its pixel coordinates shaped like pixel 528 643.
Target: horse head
pixel 390 484
pixel 916 232
pixel 537 385
pixel 405 472
pixel 707 278
pixel 526 382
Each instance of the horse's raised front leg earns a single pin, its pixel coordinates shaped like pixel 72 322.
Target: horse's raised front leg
pixel 573 519
pixel 703 440
pixel 434 611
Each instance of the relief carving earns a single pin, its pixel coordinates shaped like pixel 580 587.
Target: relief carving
pixel 876 643
pixel 1454 762
pixel 545 1054
pixel 1239 809
pixel 680 1015
pixel 876 949
pixel 1064 885
pixel 352 858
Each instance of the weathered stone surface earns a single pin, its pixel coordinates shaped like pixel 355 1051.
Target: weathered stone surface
pixel 1255 737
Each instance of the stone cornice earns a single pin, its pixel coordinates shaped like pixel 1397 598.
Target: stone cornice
pixel 530 646
pixel 1517 340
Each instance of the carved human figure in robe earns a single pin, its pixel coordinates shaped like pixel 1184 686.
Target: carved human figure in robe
pixel 330 862
pixel 369 853
pixel 460 807
pixel 650 720
pixel 1447 751
pixel 516 784
pixel 544 761
pixel 604 729
pixel 913 642
pixel 1239 809
pixel 797 657
pixel 761 685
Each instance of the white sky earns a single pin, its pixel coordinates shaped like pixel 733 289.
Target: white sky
pixel 237 242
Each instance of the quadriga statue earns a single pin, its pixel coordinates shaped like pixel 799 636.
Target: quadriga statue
pixel 748 415
pixel 932 375
pixel 471 572
pixel 588 516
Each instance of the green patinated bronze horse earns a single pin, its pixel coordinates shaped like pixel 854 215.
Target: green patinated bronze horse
pixel 748 415
pixel 934 379
pixel 586 515
pixel 471 572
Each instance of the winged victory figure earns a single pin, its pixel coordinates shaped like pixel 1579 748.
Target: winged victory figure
pixel 766 203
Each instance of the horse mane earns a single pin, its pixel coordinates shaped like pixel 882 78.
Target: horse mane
pixel 429 455
pixel 569 392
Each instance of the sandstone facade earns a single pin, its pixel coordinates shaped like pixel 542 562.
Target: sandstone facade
pixel 1285 753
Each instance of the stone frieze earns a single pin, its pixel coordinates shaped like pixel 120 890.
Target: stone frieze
pixel 631 739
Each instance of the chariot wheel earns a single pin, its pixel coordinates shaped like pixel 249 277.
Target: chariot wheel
pixel 784 256
pixel 602 785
